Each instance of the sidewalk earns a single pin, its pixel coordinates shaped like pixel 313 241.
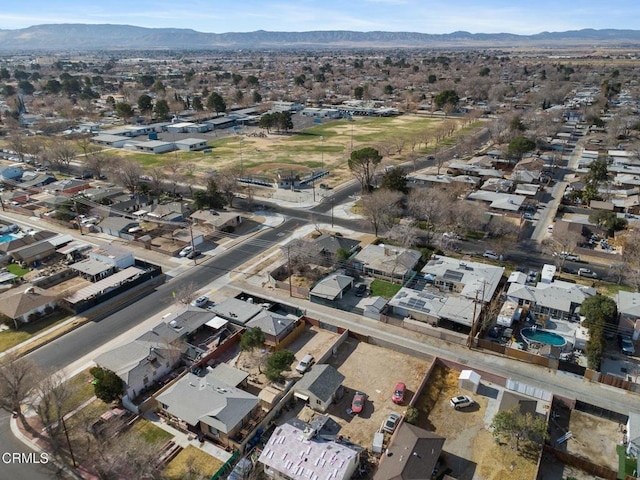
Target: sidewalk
pixel 559 383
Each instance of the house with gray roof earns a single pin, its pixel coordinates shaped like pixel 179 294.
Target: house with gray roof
pixel 559 300
pixel 275 327
pixel 319 387
pixel 237 311
pixel 386 261
pixel 117 226
pixel 156 352
pixel 330 245
pixel 330 289
pixel 412 454
pixel 209 406
pixel 628 304
pixel 25 303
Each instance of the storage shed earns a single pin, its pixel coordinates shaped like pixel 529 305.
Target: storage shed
pixel 469 380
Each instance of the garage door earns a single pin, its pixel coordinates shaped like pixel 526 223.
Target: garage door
pixel 304 398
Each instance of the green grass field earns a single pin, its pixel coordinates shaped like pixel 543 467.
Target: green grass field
pixel 11 338
pixel 384 289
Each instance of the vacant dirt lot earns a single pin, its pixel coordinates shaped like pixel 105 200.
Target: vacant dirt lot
pixel 600 448
pixel 374 371
pixel 469 450
pixel 313 340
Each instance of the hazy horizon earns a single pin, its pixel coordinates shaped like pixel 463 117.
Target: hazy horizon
pixel 423 16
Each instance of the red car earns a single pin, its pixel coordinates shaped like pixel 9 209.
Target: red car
pixel 398 393
pixel 357 404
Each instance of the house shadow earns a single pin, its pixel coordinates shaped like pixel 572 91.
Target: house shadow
pixel 458 467
pixel 344 352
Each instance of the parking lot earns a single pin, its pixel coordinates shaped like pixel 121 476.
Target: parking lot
pixel 374 371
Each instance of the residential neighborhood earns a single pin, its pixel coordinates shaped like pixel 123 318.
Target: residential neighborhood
pixel 322 264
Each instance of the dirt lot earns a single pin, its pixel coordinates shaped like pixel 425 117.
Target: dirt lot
pixel 600 448
pixel 374 371
pixel 313 340
pixel 469 450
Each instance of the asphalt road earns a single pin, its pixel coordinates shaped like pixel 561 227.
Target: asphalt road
pixel 19 471
pixel 84 340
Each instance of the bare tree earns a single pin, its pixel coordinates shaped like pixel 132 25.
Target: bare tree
pixel 19 379
pixel 62 154
pixel 98 162
pixel 560 245
pixel 128 172
pixel 51 399
pixel 381 208
pixel 227 182
pixel 503 233
pixel 185 294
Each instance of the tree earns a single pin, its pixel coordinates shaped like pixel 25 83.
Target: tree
pixel 527 428
pixel 363 164
pixel 211 198
pixel 519 146
pixel 52 396
pixel 446 97
pixel 216 103
pixel 161 109
pixel 124 110
pixel 108 386
pixel 358 92
pixel 128 173
pixel 145 103
pixel 227 182
pixel 595 345
pixel 61 155
pixel 381 208
pixel 197 104
pixel 276 363
pixel 608 221
pixel 395 179
pixel 599 309
pixel 19 378
pixel 252 338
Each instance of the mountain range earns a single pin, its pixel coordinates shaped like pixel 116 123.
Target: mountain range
pixel 84 37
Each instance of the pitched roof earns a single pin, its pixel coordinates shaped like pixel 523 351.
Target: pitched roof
pixel 330 287
pixel 333 243
pixel 412 454
pixel 16 302
pixel 208 400
pixel 270 323
pixel 321 380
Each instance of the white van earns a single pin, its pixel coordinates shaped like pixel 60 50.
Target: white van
pixel 305 363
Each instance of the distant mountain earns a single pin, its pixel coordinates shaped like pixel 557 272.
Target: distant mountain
pixel 79 37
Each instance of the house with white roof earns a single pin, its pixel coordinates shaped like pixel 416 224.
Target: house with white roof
pixel 454 291
pixel 300 454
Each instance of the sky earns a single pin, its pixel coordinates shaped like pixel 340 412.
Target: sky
pixel 426 16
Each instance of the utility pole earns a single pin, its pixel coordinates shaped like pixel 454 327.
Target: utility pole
pixel 193 247
pixel 476 300
pixel 332 213
pixel 66 434
pixel 290 270
pixel 75 207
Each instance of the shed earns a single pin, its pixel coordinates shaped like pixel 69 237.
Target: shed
pixel 378 442
pixel 469 380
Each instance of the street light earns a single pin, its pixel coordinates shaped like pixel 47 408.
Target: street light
pixel 322 152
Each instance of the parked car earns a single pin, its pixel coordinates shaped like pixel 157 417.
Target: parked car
pixel 305 363
pixel 585 272
pixel 461 401
pixel 193 254
pixel 361 290
pixel 568 256
pixel 398 393
pixel 626 344
pixel 200 301
pixel 186 251
pixel 528 215
pixel 491 255
pixel 357 404
pixel 391 422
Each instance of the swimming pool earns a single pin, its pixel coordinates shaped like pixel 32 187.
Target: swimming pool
pixel 542 336
pixel 7 237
